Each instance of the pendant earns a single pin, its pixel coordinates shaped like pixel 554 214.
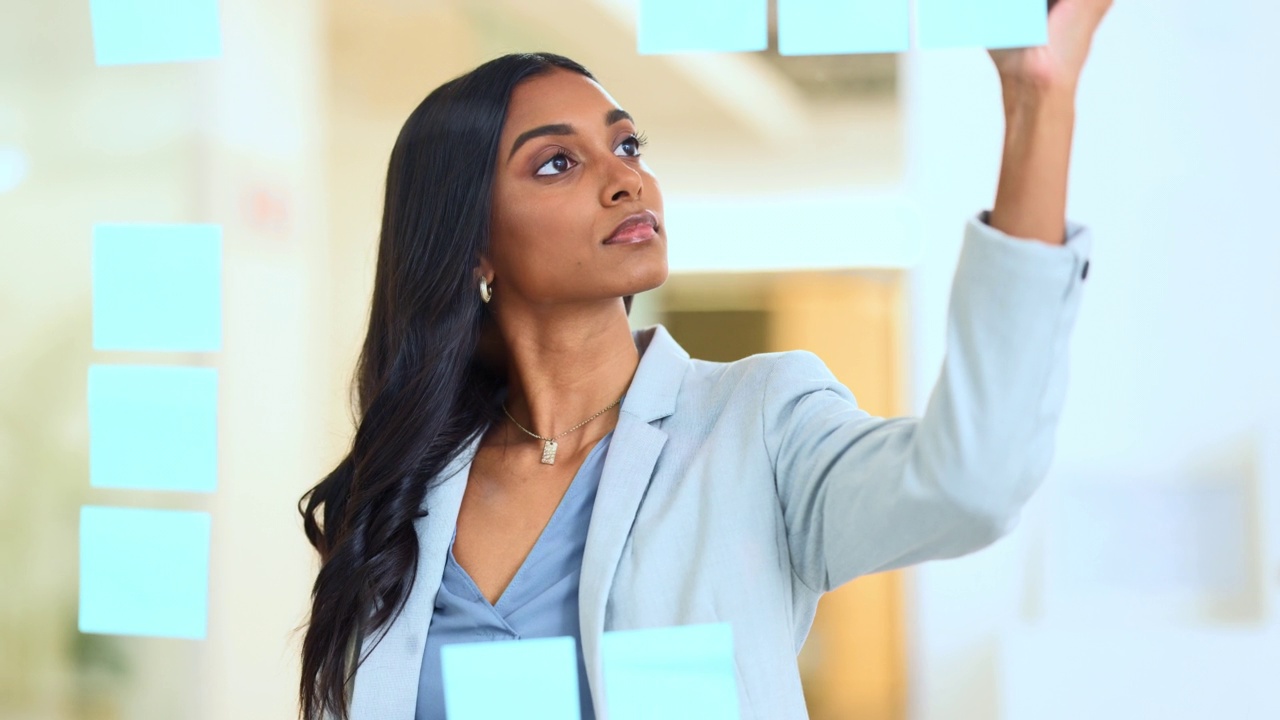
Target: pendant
pixel 549 452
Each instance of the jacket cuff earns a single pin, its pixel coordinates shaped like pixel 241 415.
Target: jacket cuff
pixel 1077 246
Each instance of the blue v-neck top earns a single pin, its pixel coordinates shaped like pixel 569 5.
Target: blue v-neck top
pixel 541 600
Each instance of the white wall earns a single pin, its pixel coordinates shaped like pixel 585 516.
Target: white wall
pixel 1176 168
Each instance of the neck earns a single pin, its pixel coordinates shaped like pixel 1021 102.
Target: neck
pixel 561 370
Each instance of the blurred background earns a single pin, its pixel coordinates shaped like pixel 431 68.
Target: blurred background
pixel 1143 581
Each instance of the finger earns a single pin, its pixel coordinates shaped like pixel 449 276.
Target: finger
pixel 1084 15
pixel 1100 8
pixel 1097 8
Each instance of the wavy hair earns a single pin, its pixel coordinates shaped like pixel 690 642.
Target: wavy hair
pixel 428 378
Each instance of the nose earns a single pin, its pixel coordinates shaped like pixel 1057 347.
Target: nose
pixel 623 181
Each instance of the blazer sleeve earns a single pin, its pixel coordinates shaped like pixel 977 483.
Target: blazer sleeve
pixel 861 494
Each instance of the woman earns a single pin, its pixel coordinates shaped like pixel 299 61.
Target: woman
pixel 525 465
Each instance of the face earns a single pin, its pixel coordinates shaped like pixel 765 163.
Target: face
pixel 568 173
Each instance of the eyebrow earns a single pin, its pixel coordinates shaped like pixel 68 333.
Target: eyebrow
pixel 611 117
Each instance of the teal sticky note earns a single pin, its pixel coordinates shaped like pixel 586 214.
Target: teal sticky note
pixel 128 32
pixel 981 23
pixel 157 287
pixel 679 26
pixel 144 572
pixel 672 673
pixel 538 678
pixel 153 427
pixel 834 27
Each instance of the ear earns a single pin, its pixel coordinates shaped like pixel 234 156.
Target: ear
pixel 484 268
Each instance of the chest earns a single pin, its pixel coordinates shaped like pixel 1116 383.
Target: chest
pixel 505 508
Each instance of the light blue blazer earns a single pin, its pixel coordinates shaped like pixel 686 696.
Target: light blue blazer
pixel 742 491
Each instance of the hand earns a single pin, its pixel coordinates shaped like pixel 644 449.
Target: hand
pixel 1056 66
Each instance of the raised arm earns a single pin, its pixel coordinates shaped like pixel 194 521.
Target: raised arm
pixel 1038 86
pixel 861 494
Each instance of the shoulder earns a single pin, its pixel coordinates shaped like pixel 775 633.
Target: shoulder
pixel 757 378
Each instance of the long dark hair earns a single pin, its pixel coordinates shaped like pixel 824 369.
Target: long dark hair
pixel 429 373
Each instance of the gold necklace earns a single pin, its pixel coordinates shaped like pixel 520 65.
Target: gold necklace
pixel 549 445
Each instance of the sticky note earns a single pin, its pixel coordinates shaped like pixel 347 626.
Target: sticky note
pixel 153 428
pixel 534 679
pixel 157 287
pixel 833 27
pixel 144 572
pixel 672 672
pixel 981 23
pixel 154 31
pixel 677 26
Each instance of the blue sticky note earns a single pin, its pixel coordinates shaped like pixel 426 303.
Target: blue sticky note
pixel 678 26
pixel 154 31
pixel 833 27
pixel 157 287
pixel 981 23
pixel 538 679
pixel 671 673
pixel 153 428
pixel 144 572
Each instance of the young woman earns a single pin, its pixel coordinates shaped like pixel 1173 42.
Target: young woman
pixel 525 465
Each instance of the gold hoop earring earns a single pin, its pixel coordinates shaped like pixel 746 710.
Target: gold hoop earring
pixel 486 293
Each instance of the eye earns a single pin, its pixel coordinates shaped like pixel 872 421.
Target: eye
pixel 634 141
pixel 560 160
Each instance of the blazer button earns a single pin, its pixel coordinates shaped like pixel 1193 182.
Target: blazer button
pixel 1084 274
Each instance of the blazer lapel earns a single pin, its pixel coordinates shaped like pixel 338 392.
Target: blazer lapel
pixel 386 685
pixel 628 467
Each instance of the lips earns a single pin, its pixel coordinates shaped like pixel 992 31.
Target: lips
pixel 635 227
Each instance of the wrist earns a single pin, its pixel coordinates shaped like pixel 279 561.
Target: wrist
pixel 1025 100
pixel 1039 121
